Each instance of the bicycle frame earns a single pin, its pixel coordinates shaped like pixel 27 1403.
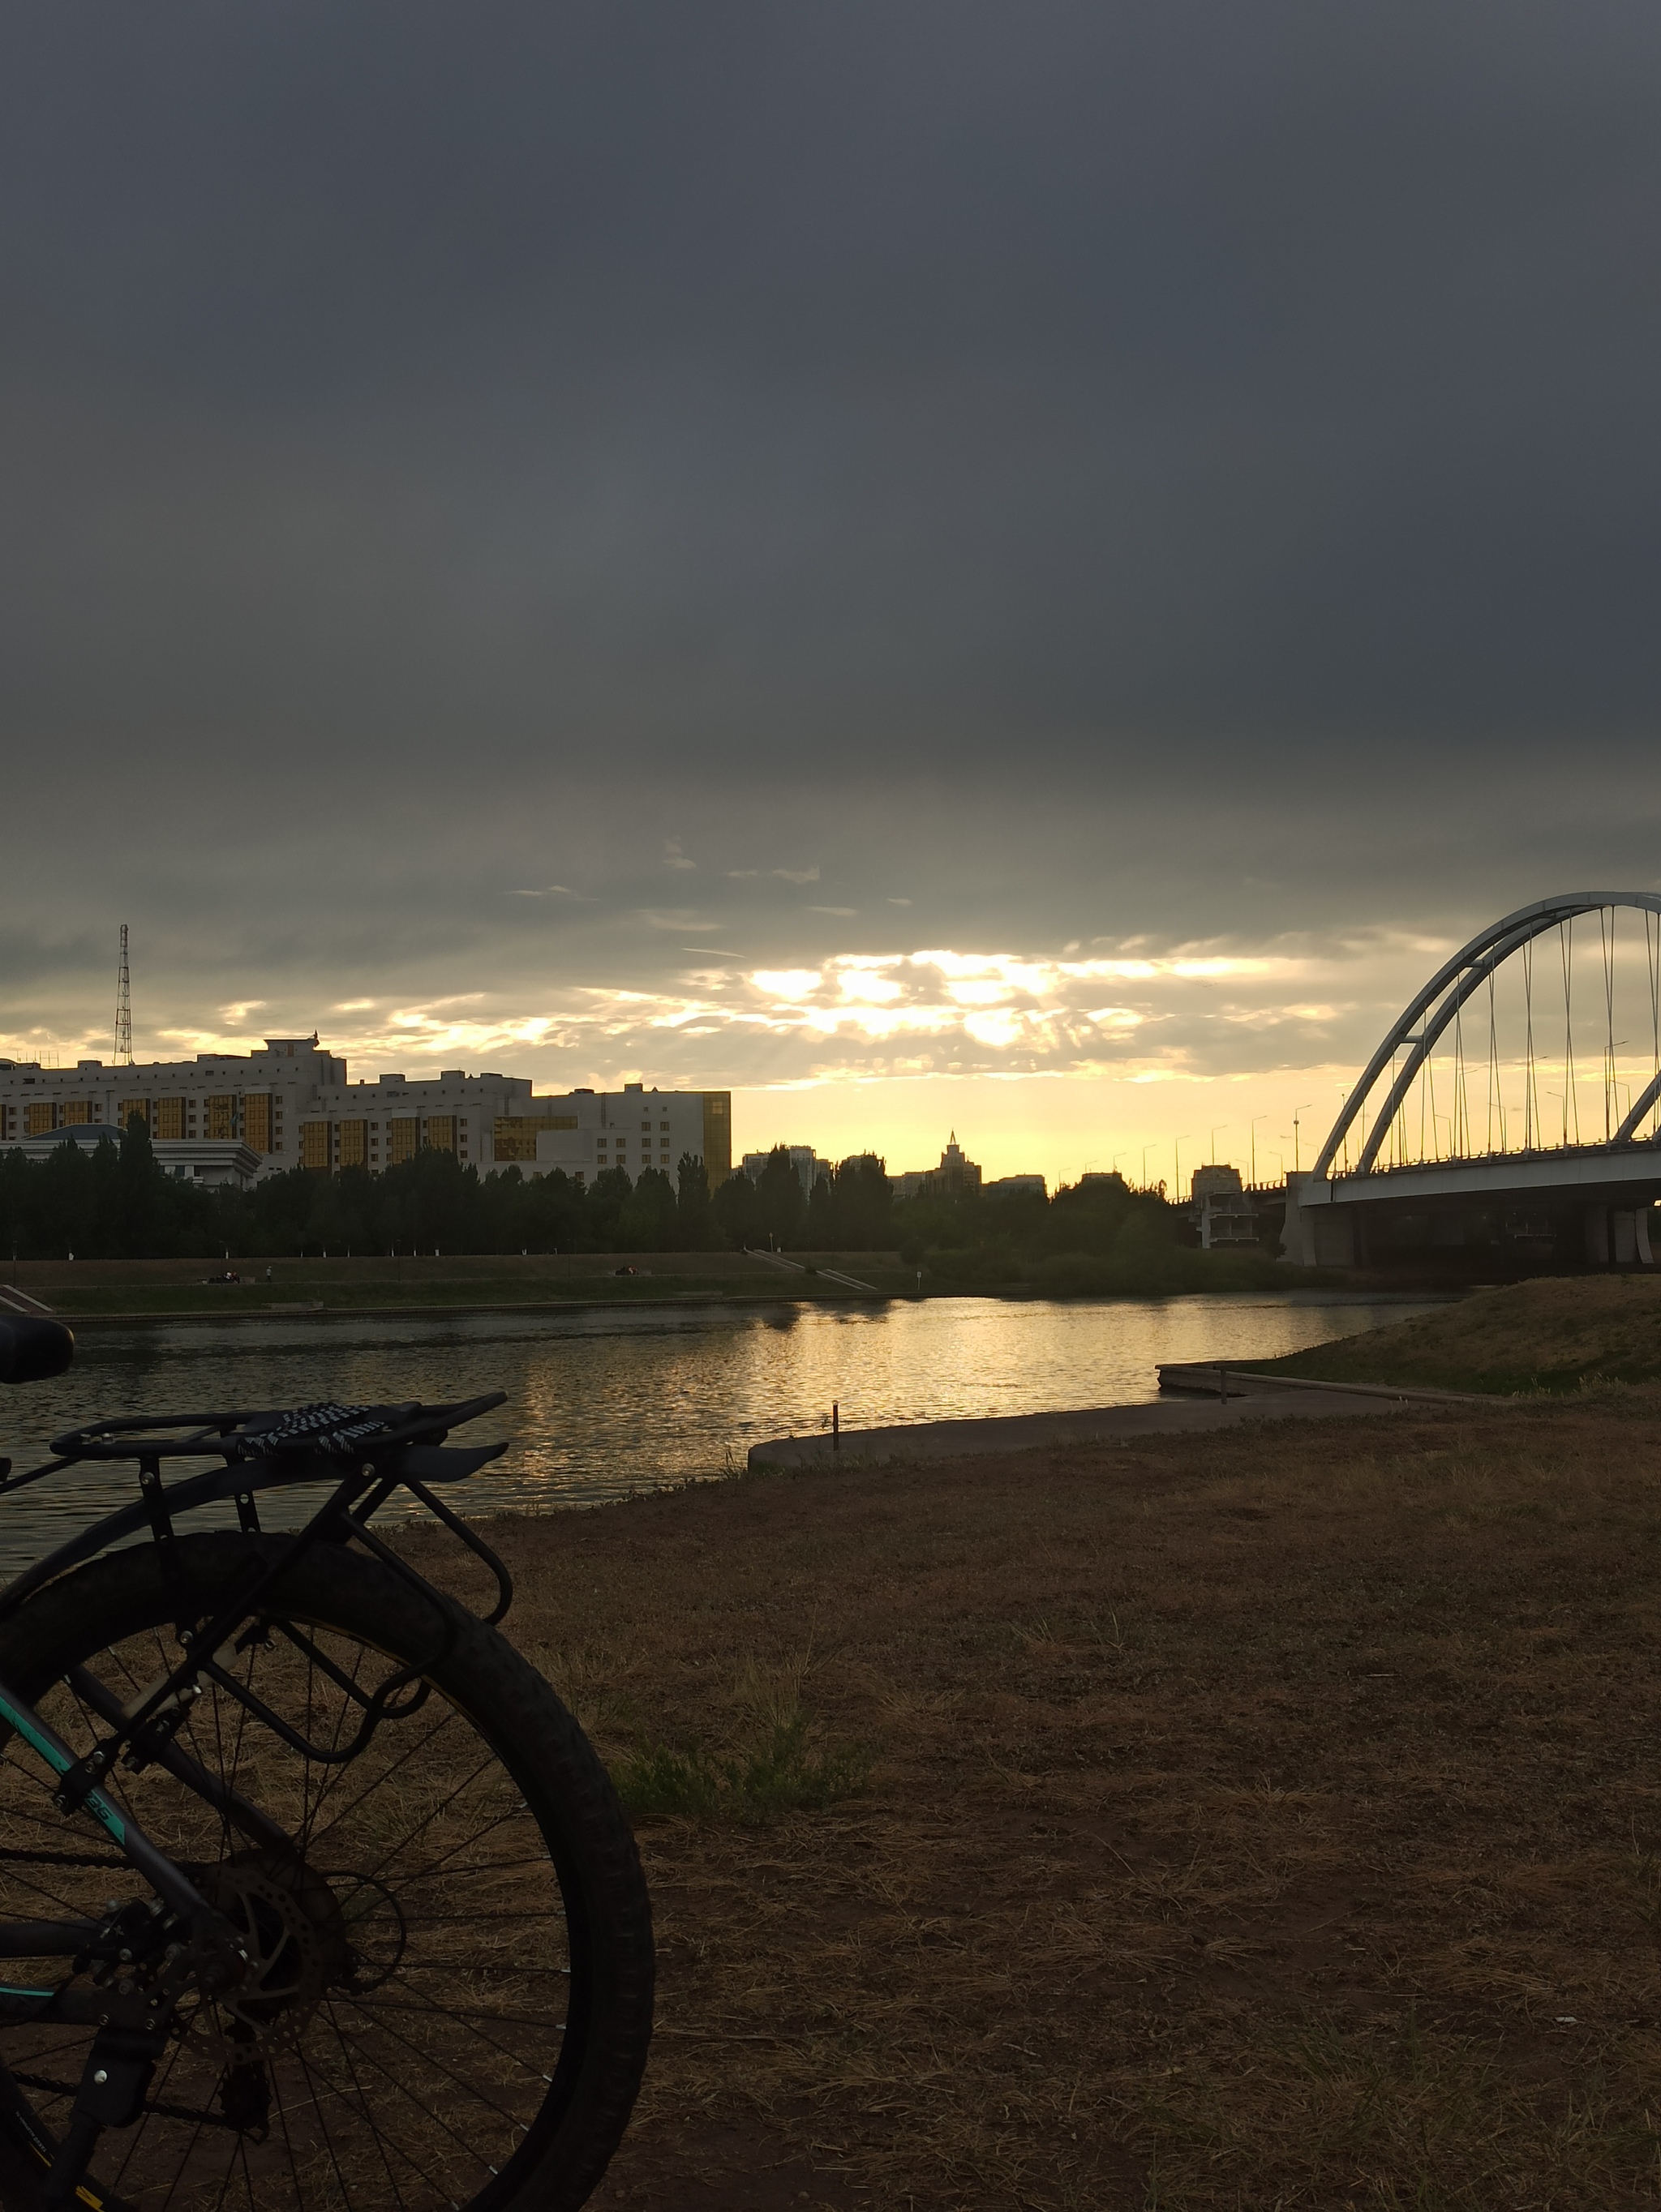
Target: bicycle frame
pixel 145 1956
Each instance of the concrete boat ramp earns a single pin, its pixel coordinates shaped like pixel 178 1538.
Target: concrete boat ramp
pixel 1201 1397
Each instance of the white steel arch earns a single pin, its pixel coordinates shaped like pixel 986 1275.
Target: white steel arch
pixel 1468 968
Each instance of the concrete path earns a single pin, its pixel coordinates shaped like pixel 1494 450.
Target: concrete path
pixel 1211 1378
pixel 795 1268
pixel 1258 1401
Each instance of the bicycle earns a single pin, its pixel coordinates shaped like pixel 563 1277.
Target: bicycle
pixel 331 1906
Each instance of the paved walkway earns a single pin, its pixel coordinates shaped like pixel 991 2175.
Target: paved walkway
pixel 1250 1397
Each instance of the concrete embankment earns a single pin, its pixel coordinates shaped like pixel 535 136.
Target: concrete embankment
pixel 1208 1398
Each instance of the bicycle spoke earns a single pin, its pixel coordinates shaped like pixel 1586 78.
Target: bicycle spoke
pixel 411 1752
pixel 357 2088
pixel 287 2143
pixel 467 2021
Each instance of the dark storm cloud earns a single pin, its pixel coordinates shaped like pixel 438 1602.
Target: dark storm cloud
pixel 1077 468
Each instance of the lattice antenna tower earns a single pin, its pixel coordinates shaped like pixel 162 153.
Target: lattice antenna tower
pixel 124 1009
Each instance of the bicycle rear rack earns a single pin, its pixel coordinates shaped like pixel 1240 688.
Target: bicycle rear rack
pixel 367 1451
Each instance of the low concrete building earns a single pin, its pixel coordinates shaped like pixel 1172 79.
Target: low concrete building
pixel 1220 1207
pixel 1025 1185
pixel 209 1161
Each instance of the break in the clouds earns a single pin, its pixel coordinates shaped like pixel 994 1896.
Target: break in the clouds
pixel 496 497
pixel 1132 1014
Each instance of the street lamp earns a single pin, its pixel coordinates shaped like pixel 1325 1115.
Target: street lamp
pixel 1296 1162
pixel 1177 1149
pixel 1252 1125
pixel 1147 1149
pixel 1221 1125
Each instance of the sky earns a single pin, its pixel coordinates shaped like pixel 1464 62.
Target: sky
pixel 1022 570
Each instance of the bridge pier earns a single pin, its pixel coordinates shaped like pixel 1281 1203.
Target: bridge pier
pixel 1592 1208
pixel 1316 1233
pixel 1617 1238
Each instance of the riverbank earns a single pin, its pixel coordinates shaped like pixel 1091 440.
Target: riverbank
pixel 1554 1333
pixel 384 1286
pixel 1241 1818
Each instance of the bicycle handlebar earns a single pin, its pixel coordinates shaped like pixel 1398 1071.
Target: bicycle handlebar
pixel 31 1350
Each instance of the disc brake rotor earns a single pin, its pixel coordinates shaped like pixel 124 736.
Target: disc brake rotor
pixel 289 1920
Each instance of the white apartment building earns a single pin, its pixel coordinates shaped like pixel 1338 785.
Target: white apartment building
pixel 587 1131
pixel 294 1105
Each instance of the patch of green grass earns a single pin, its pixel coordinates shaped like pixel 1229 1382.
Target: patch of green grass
pixel 779 1770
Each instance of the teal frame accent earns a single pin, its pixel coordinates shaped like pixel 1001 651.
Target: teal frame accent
pixel 60 1763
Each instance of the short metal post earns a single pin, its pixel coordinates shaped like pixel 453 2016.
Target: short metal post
pixel 836 1428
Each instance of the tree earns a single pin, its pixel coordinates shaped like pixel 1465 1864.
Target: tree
pixel 608 1195
pixel 695 1226
pixel 864 1204
pixel 783 1206
pixel 64 1197
pixel 138 1216
pixel 737 1211
pixel 823 1218
pixel 647 1221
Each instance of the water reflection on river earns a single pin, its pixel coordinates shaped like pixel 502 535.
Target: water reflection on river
pixel 605 1402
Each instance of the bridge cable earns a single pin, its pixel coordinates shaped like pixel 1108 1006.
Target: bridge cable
pixel 1396 1126
pixel 1565 954
pixel 1530 1094
pixel 1496 1094
pixel 1606 941
pixel 1652 954
pixel 1461 1111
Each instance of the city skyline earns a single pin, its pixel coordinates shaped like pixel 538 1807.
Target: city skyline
pixel 1057 1126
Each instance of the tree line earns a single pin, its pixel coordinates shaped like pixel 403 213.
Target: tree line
pixel 115 1201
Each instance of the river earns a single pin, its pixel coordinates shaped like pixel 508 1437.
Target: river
pixel 611 1400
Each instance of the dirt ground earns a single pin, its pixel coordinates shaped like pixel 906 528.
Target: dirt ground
pixel 1266 1818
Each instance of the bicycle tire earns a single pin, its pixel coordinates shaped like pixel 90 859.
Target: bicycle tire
pixel 553 2150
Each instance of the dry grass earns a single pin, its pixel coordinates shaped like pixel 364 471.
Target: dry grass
pixel 1270 1818
pixel 1556 1333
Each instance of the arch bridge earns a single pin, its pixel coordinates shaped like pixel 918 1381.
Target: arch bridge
pixel 1442 1145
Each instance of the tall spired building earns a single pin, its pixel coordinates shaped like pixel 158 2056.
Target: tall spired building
pixel 955 1177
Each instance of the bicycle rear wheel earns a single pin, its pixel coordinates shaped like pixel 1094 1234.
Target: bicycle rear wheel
pixel 451 1928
